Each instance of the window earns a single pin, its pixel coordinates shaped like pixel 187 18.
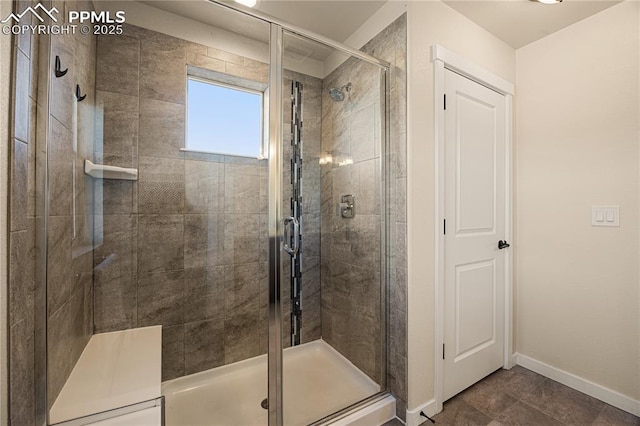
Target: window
pixel 224 118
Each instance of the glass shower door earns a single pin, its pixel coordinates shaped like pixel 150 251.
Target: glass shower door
pixel 254 331
pixel 184 245
pixel 332 277
pixel 225 231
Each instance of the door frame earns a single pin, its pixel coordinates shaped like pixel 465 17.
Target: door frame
pixel 444 59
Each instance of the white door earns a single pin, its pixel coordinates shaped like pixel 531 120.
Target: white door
pixel 475 222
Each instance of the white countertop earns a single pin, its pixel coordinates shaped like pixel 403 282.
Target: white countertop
pixel 115 369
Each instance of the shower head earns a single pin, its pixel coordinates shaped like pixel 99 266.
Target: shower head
pixel 337 94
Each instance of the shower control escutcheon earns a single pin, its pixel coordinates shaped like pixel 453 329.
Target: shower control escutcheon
pixel 346 207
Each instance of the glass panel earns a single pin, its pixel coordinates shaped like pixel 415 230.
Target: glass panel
pixel 178 238
pixel 41 47
pixel 333 321
pixel 182 246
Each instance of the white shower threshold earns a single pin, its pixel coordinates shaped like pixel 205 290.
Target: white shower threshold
pixel 318 381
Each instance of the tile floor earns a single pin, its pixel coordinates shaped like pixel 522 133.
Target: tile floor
pixel 522 397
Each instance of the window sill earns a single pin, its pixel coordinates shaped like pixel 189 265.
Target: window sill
pixel 216 157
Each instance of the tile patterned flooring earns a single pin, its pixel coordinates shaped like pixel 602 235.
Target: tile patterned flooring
pixel 522 397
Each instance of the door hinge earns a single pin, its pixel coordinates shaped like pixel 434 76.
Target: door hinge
pixel 443 351
pixel 445 102
pixel 444 227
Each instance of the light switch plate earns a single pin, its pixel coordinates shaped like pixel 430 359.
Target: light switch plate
pixel 605 215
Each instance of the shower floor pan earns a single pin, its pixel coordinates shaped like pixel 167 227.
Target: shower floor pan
pixel 318 381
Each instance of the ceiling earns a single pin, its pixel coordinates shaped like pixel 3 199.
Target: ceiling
pixel 516 22
pixel 336 19
pixel 520 22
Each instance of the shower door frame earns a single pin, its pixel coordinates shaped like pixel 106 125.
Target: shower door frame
pixel 385 233
pixel 274 226
pixel 278 29
pixel 275 371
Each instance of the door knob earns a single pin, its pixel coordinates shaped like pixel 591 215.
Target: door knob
pixel 503 244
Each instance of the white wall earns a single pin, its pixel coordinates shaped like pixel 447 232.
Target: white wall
pixel 577 106
pixel 429 23
pixel 5 83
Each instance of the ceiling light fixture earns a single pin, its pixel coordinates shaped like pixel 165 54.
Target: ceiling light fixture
pixel 542 1
pixel 248 3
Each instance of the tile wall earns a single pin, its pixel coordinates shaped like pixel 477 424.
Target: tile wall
pixel 351 255
pixel 351 280
pixel 186 245
pixel 48 119
pixel 391 46
pixel 311 199
pixel 175 248
pixel 71 203
pixel 22 227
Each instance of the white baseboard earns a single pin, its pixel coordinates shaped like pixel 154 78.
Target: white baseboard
pixel 414 418
pixel 511 361
pixel 595 390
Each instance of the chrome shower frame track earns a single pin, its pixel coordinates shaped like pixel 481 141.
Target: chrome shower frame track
pixel 306 34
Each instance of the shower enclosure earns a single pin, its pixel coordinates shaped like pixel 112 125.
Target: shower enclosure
pixel 267 271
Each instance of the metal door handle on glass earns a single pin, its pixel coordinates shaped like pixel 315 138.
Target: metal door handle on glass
pixel 290 246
